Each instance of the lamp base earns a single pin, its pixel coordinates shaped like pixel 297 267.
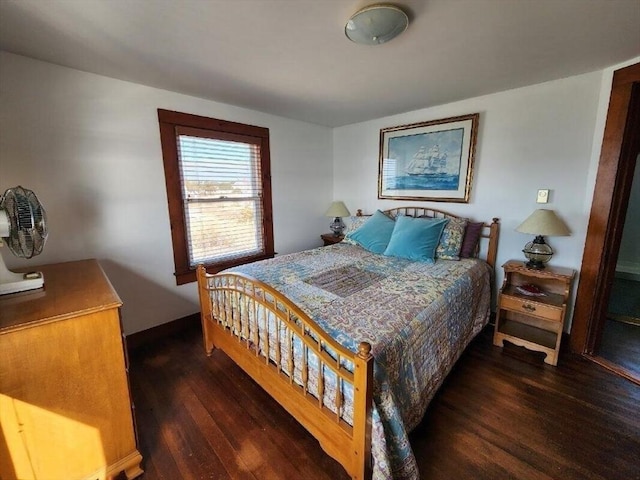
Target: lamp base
pixel 337 226
pixel 535 265
pixel 538 253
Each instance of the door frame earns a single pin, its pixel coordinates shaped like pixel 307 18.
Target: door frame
pixel 608 210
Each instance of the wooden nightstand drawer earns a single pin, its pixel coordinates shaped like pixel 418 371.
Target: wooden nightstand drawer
pixel 530 307
pixel 330 238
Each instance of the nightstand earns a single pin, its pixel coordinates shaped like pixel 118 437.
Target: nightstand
pixel 533 322
pixel 330 238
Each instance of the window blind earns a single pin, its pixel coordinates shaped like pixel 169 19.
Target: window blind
pixel 222 194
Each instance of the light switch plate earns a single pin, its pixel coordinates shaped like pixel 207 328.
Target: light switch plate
pixel 543 196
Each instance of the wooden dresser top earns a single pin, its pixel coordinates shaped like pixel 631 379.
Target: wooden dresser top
pixel 69 288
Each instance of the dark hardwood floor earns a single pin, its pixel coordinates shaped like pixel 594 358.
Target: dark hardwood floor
pixel 499 415
pixel 620 345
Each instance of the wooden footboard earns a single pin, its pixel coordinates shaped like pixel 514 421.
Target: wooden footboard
pixel 237 314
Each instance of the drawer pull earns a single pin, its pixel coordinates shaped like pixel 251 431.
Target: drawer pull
pixel 529 308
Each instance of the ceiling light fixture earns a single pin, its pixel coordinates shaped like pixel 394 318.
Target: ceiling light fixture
pixel 376 24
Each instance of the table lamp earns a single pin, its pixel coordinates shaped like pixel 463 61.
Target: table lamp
pixel 540 223
pixel 337 210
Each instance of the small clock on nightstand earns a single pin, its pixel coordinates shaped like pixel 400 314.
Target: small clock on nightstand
pixel 330 238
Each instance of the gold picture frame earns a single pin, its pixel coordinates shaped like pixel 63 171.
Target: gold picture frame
pixel 429 161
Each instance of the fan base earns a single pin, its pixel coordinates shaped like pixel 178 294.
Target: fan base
pixel 11 282
pixel 21 285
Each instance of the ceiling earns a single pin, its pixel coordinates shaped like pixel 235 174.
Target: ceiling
pixel 291 57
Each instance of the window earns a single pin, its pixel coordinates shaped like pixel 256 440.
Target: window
pixel 218 182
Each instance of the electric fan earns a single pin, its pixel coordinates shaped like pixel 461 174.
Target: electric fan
pixel 23 227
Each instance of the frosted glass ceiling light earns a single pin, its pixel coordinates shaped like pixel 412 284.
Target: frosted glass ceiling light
pixel 376 24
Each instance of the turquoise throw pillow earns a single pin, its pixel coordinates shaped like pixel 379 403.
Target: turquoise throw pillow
pixel 375 233
pixel 353 224
pixel 416 238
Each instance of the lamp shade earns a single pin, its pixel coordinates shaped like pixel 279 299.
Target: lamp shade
pixel 376 24
pixel 544 222
pixel 337 209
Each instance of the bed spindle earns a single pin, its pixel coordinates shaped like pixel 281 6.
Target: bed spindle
pixel 245 320
pixel 278 346
pixel 338 401
pixel 320 381
pixel 238 311
pixel 234 310
pixel 290 347
pixel 265 313
pixel 254 325
pixel 305 373
pixel 225 307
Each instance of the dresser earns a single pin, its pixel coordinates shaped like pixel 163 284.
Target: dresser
pixel 65 407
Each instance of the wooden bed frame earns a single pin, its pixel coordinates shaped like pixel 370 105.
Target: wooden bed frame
pixel 230 303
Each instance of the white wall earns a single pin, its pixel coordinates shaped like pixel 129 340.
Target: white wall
pixel 529 138
pixel 89 147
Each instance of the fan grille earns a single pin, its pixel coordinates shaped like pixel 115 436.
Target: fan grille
pixel 27 218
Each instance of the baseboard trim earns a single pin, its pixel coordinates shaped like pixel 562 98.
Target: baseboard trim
pixel 151 335
pixel 615 368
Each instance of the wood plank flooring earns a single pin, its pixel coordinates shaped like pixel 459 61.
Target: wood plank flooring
pixel 499 415
pixel 620 343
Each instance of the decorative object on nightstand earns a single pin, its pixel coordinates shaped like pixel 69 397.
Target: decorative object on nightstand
pixel 532 306
pixel 540 223
pixel 330 238
pixel 337 210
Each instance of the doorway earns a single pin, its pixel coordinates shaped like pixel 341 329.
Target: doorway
pixel 620 343
pixel 620 149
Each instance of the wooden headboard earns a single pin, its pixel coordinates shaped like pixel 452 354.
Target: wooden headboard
pixel 490 231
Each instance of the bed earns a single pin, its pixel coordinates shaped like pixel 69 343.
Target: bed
pixel 307 327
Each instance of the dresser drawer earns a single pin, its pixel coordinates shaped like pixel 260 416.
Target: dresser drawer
pixel 528 307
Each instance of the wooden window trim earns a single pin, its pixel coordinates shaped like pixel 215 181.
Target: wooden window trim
pixel 170 122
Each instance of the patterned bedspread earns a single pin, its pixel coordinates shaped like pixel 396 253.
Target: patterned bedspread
pixel 418 318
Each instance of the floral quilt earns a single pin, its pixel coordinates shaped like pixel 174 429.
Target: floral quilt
pixel 418 317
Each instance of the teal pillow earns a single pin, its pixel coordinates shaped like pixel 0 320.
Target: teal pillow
pixel 375 233
pixel 416 238
pixel 353 224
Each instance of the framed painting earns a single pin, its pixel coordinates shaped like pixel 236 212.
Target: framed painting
pixel 430 161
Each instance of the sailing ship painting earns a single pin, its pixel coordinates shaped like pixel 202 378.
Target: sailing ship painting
pixel 428 161
pixel 431 161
